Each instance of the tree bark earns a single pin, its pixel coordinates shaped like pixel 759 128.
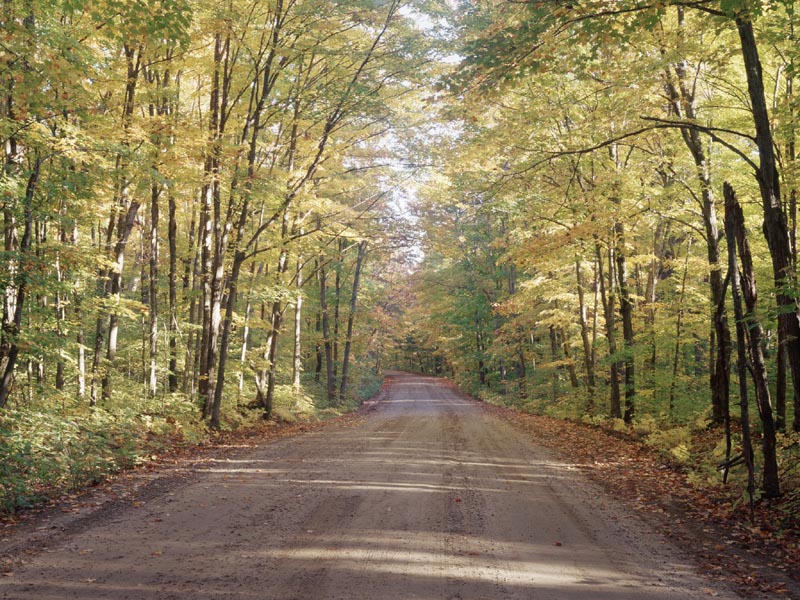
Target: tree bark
pixel 326 333
pixel 626 313
pixel 10 346
pixel 155 193
pixel 297 362
pixel 573 374
pixel 741 348
pixel 362 248
pixel 776 229
pixel 588 359
pixel 121 222
pixel 554 356
pixel 734 221
pixel 607 297
pixel 172 327
pixel 684 105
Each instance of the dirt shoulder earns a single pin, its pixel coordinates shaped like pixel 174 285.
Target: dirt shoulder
pixel 756 557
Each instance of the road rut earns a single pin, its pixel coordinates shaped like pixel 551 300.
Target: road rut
pixel 428 497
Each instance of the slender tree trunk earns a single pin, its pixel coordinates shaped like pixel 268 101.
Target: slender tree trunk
pixel 326 333
pixel 522 372
pixel 337 295
pixel 776 229
pixel 172 327
pixel 573 374
pixel 734 220
pixel 297 362
pixel 124 229
pixel 248 311
pixel 10 347
pixel 362 248
pixel 741 363
pixel 626 312
pixel 607 297
pixel 278 309
pixel 121 222
pixel 318 325
pixel 211 238
pixel 684 105
pixel 555 357
pixel 588 361
pixel 225 335
pixel 780 385
pixel 791 157
pixel 191 279
pixel 61 317
pixel 155 194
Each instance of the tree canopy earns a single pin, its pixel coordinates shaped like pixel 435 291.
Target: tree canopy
pixel 213 211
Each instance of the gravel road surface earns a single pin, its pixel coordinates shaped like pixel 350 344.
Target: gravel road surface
pixel 428 496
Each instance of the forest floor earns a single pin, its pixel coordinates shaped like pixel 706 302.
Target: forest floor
pixel 424 494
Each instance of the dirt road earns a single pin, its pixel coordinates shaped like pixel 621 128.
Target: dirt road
pixel 428 497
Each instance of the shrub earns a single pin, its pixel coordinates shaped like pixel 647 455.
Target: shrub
pixel 675 442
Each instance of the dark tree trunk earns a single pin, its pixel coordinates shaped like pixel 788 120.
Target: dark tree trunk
pixel 172 327
pixel 588 359
pixel 555 357
pixel 741 362
pixel 362 248
pixel 11 329
pixel 776 229
pixel 683 103
pixel 734 220
pixel 607 297
pixel 626 312
pixel 330 384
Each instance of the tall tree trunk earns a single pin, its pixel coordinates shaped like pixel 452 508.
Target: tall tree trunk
pixel 684 105
pixel 225 335
pixel 326 333
pixel 211 228
pixel 734 221
pixel 791 209
pixel 362 248
pixel 278 310
pixel 121 221
pixel 607 297
pixel 555 357
pixel 297 362
pixel 248 312
pixel 61 317
pixel 522 372
pixel 776 229
pixel 573 374
pixel 337 295
pixel 124 229
pixel 9 349
pixel 172 327
pixel 191 283
pixel 155 193
pixel 741 362
pixel 588 359
pixel 626 312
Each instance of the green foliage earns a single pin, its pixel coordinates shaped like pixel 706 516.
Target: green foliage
pixel 675 442
pixel 49 452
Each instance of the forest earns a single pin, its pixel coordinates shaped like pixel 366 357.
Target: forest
pixel 219 213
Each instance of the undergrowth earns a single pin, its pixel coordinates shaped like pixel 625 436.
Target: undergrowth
pixel 47 450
